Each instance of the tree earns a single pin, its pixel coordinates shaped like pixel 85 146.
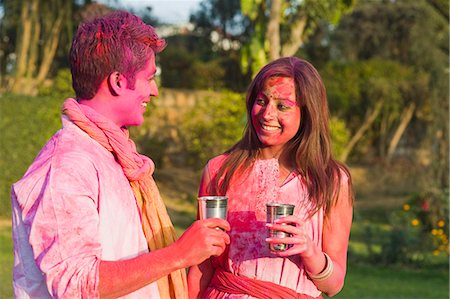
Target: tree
pixel 415 35
pixel 40 23
pixel 280 28
pixel 376 99
pixel 221 24
pixel 35 28
pixel 223 16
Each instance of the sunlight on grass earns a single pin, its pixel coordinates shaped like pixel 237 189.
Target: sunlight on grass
pixel 6 259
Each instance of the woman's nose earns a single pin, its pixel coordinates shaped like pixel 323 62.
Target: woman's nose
pixel 268 112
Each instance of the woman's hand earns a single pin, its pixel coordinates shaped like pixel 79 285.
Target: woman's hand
pixel 299 240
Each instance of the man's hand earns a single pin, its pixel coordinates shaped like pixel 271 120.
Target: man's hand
pixel 203 239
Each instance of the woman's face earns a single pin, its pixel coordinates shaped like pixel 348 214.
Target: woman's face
pixel 275 113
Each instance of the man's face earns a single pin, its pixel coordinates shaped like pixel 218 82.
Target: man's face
pixel 131 105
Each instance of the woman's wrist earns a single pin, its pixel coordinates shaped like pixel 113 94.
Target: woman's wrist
pixel 326 271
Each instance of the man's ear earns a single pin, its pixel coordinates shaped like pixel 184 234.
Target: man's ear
pixel 117 83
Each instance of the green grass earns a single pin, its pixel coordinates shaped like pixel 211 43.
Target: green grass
pixel 6 259
pixel 362 281
pixel 372 282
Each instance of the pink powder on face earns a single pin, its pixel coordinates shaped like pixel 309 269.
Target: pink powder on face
pixel 280 88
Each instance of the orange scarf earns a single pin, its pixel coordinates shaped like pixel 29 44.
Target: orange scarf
pixel 157 227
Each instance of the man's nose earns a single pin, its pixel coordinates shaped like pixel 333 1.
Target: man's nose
pixel 153 89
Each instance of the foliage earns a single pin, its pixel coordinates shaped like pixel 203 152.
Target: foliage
pixel 60 86
pixel 207 58
pixel 221 15
pixel 213 126
pixel 185 65
pixel 417 234
pixel 26 124
pixel 339 135
pixel 355 88
pixel 271 36
pixel 411 32
pixel 415 34
pixel 36 39
pixel 420 228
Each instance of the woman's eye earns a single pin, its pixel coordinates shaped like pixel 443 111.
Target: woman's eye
pixel 260 102
pixel 282 107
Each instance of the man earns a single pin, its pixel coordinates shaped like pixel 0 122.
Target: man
pixel 88 220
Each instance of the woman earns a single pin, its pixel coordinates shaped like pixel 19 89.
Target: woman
pixel 284 157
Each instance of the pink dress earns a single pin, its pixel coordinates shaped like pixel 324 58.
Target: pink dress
pixel 249 254
pixel 73 208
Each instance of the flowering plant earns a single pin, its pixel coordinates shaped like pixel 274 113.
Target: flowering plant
pixel 418 230
pixel 427 212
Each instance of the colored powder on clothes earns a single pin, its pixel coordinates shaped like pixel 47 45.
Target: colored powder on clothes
pixel 268 173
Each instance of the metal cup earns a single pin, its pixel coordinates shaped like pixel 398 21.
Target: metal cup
pixel 275 211
pixel 212 207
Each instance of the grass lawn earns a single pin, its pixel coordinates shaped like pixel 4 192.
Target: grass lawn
pixel 371 282
pixel 362 282
pixel 6 259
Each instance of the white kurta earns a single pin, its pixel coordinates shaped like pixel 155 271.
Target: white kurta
pixel 73 208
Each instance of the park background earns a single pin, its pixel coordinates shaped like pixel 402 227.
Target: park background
pixel 384 63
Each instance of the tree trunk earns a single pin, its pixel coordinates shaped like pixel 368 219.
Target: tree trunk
pixel 50 46
pixel 33 61
pixel 24 38
pixel 360 132
pixel 273 30
pixel 406 117
pixel 296 37
pixel 34 43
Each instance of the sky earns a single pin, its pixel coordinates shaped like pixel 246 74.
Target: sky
pixel 169 11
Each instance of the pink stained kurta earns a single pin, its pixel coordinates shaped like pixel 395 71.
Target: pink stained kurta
pixel 76 207
pixel 249 254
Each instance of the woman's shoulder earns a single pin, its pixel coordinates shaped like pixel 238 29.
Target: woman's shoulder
pixel 215 163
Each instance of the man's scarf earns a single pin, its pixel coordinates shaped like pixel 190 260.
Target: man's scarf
pixel 157 227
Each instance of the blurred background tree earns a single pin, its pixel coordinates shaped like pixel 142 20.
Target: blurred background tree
pixel 414 36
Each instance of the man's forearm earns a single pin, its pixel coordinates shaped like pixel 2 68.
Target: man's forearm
pixel 118 278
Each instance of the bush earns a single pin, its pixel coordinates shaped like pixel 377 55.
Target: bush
pixel 340 135
pixel 60 87
pixel 26 124
pixel 420 229
pixel 212 126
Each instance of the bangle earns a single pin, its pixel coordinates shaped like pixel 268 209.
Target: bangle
pixel 326 272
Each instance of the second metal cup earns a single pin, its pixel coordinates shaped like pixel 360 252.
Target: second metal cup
pixel 275 211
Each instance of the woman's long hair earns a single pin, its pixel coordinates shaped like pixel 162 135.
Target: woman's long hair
pixel 309 149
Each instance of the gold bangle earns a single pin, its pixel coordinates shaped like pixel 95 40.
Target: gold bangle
pixel 326 272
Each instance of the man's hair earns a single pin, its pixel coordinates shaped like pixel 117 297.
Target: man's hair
pixel 119 41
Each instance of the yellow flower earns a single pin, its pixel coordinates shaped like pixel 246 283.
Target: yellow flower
pixel 436 252
pixel 406 207
pixel 434 232
pixel 415 222
pixel 441 223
